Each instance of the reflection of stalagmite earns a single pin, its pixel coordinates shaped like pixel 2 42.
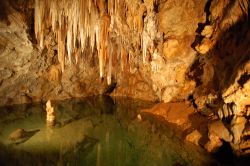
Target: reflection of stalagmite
pixel 99 148
pixel 51 117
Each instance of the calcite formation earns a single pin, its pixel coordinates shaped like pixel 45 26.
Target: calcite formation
pixel 239 92
pixel 169 51
pixel 78 24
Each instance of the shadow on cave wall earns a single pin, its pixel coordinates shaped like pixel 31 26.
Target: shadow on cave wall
pixel 217 70
pixel 24 7
pixel 3 11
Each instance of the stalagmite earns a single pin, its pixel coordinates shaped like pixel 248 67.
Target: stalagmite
pixel 51 116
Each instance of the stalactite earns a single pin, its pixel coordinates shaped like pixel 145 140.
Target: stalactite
pixel 53 15
pixel 123 58
pixel 78 24
pixel 145 41
pixel 103 42
pixel 69 43
pixel 39 18
pixel 110 52
pixel 61 50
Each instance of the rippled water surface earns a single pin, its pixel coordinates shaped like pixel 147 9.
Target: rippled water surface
pixel 98 131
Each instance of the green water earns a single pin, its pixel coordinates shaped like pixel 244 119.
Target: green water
pixel 96 131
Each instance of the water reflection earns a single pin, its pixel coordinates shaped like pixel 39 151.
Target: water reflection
pixel 97 131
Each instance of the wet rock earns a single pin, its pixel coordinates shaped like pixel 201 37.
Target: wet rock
pixel 50 116
pixel 139 117
pixel 177 113
pixel 20 136
pixel 214 144
pixel 237 127
pixel 194 137
pixel 205 46
pixel 17 134
pixel 207 31
pixel 227 111
pixel 216 133
pixel 248 112
pixel 218 129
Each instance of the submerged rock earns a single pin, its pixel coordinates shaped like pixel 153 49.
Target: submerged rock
pixel 17 134
pixel 20 135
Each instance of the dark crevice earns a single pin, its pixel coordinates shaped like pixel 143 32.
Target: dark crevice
pixel 243 79
pixel 156 6
pixel 110 88
pixel 207 11
pixel 4 11
pixel 201 26
pixel 225 155
pixel 196 71
pixel 31 30
pixel 192 100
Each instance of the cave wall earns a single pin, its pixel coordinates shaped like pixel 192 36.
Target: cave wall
pixel 35 74
pixel 195 51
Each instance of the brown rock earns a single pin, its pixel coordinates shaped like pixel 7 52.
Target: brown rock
pixel 205 46
pixel 216 133
pixel 194 137
pixel 218 129
pixel 170 48
pixel 237 127
pixel 207 31
pixel 177 113
pixel 17 134
pixel 239 92
pixel 214 144
pixel 55 73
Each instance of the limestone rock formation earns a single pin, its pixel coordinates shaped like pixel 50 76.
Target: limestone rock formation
pixel 158 50
pixel 194 137
pixel 239 92
pixel 217 132
pixel 17 134
pixel 176 113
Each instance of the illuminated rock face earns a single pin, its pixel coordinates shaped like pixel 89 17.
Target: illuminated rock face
pixel 145 48
pixel 149 50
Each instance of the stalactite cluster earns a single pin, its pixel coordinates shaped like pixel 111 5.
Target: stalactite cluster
pixel 87 24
